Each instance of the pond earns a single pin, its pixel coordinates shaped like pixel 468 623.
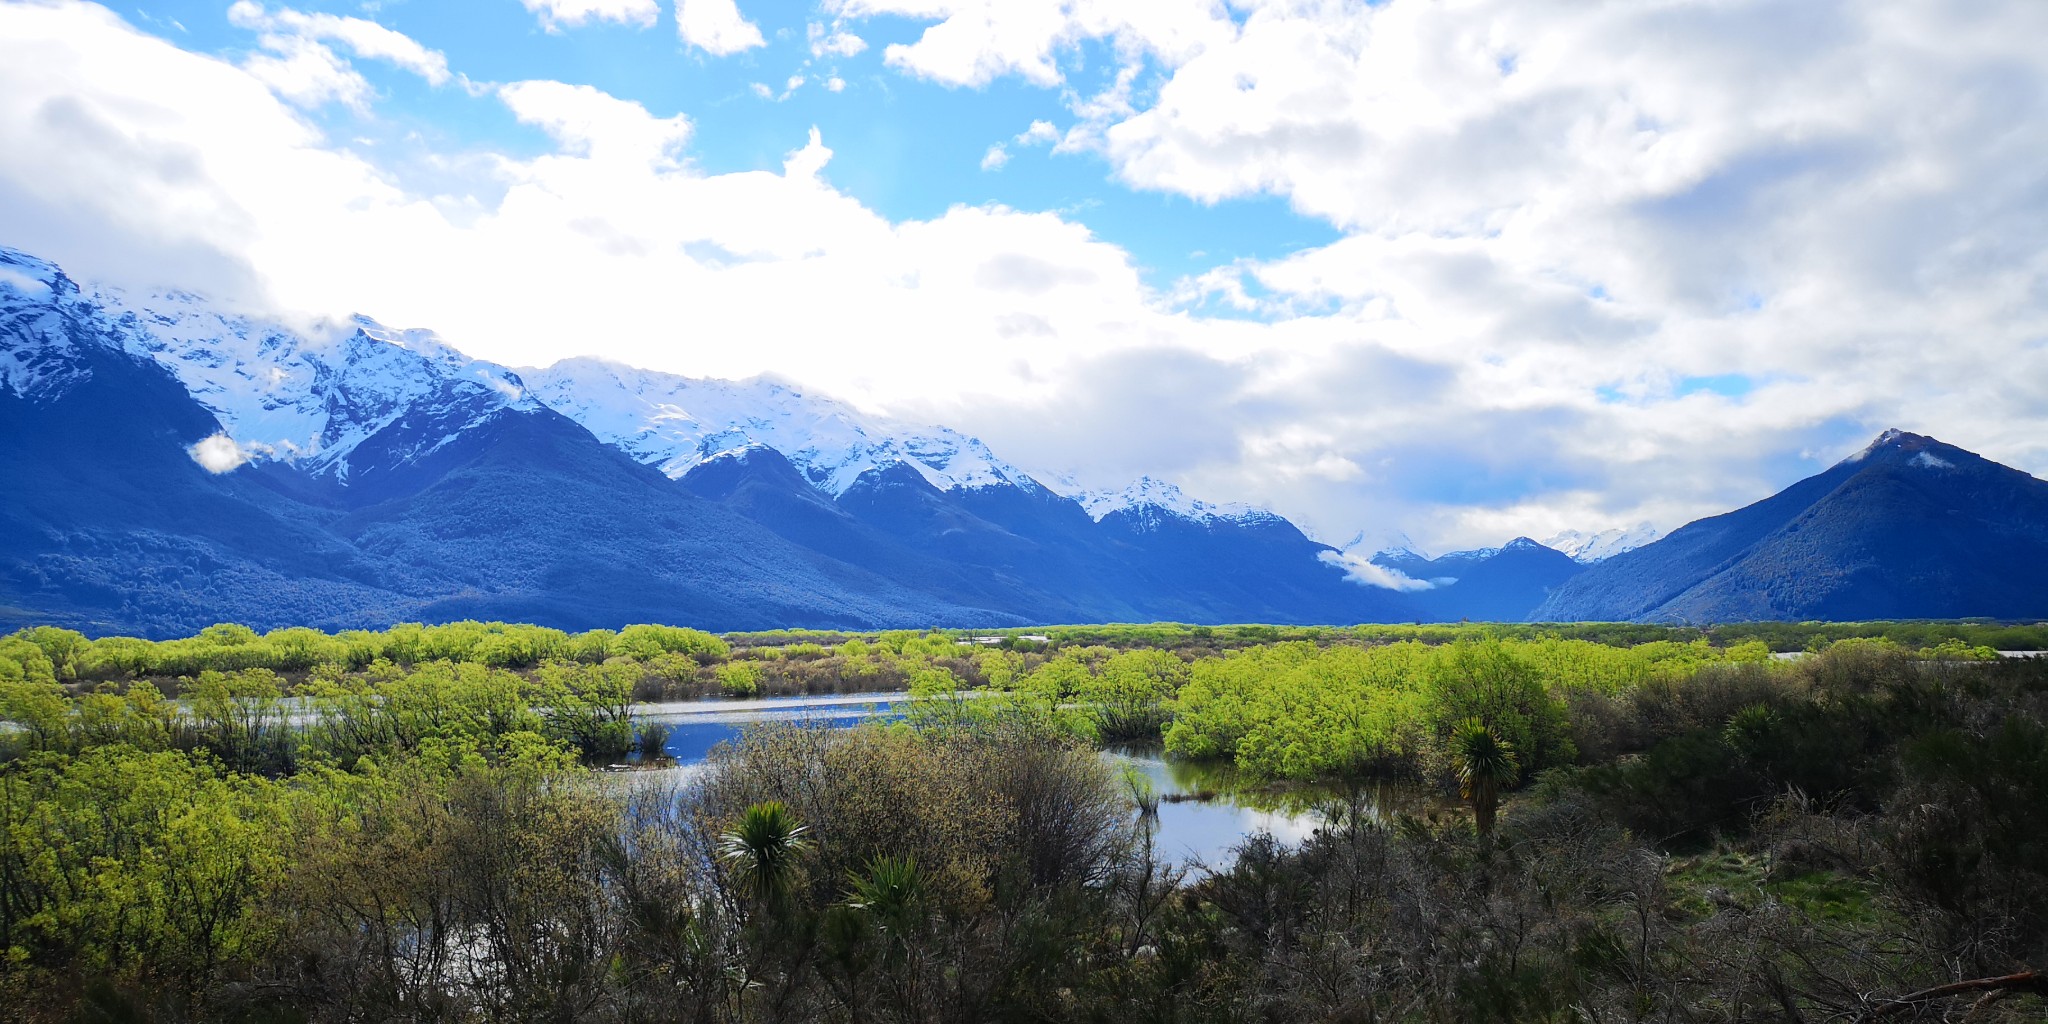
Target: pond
pixel 1205 810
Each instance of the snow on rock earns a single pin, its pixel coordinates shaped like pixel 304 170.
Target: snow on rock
pixel 1153 494
pixel 39 360
pixel 311 396
pixel 675 423
pixel 308 397
pixel 1588 548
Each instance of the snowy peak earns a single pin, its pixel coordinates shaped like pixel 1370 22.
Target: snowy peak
pixel 1150 494
pixel 1587 548
pixel 1915 449
pixel 39 360
pixel 675 423
pixel 308 396
pixel 312 398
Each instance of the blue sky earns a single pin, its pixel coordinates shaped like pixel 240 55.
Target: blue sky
pixel 1458 272
pixel 905 147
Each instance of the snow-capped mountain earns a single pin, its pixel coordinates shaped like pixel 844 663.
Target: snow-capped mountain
pixel 1587 548
pixel 675 423
pixel 600 495
pixel 308 398
pixel 311 398
pixel 314 399
pixel 41 360
pixel 1150 494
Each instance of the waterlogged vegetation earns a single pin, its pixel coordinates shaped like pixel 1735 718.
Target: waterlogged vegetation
pixel 1600 822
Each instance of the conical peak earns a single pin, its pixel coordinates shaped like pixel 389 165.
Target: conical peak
pixel 1902 443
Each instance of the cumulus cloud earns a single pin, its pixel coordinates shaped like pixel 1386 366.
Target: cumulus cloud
pixel 716 26
pixel 1583 210
pixel 833 42
pixel 995 158
pixel 1558 221
pixel 556 15
pixel 218 454
pixel 1040 133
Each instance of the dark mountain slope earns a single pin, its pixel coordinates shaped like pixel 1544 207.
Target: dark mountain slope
pixel 1500 584
pixel 760 484
pixel 1908 528
pixel 542 522
pixel 110 524
pixel 1258 568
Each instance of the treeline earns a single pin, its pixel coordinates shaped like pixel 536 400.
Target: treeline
pixel 1779 636
pixel 1852 837
pixel 247 721
pixel 679 662
pixel 666 662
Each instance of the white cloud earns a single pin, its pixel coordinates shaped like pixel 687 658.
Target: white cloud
pixel 977 41
pixel 1360 569
pixel 716 27
pixel 835 84
pixel 308 73
pixel 22 283
pixel 594 125
pixel 556 15
pixel 1040 133
pixel 1558 218
pixel 833 42
pixel 995 158
pixel 218 454
pixel 287 30
pixel 1578 208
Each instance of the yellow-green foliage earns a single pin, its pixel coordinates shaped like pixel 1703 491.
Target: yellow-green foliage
pixel 125 860
pixel 740 679
pixel 1297 710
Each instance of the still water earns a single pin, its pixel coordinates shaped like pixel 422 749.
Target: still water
pixel 1204 810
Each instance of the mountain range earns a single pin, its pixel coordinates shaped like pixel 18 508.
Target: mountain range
pixel 172 464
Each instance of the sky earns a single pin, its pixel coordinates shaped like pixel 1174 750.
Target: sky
pixel 1457 270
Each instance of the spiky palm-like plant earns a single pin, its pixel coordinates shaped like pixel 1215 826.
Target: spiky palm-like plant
pixel 1486 764
pixel 763 847
pixel 892 893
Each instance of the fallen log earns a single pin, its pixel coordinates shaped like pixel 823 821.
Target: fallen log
pixel 2024 981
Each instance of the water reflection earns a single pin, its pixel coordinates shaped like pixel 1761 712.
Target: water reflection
pixel 1205 809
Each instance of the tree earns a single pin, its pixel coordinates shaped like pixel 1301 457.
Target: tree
pixel 762 848
pixel 1485 764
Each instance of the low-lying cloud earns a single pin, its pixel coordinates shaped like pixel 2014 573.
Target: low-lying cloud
pixel 218 454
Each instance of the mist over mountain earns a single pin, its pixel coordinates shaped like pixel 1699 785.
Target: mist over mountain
pixel 1488 584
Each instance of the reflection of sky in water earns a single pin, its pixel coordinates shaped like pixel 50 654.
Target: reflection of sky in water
pixel 691 739
pixel 1206 831
pixel 1189 832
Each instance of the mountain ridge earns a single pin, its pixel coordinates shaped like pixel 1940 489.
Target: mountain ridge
pixel 1907 527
